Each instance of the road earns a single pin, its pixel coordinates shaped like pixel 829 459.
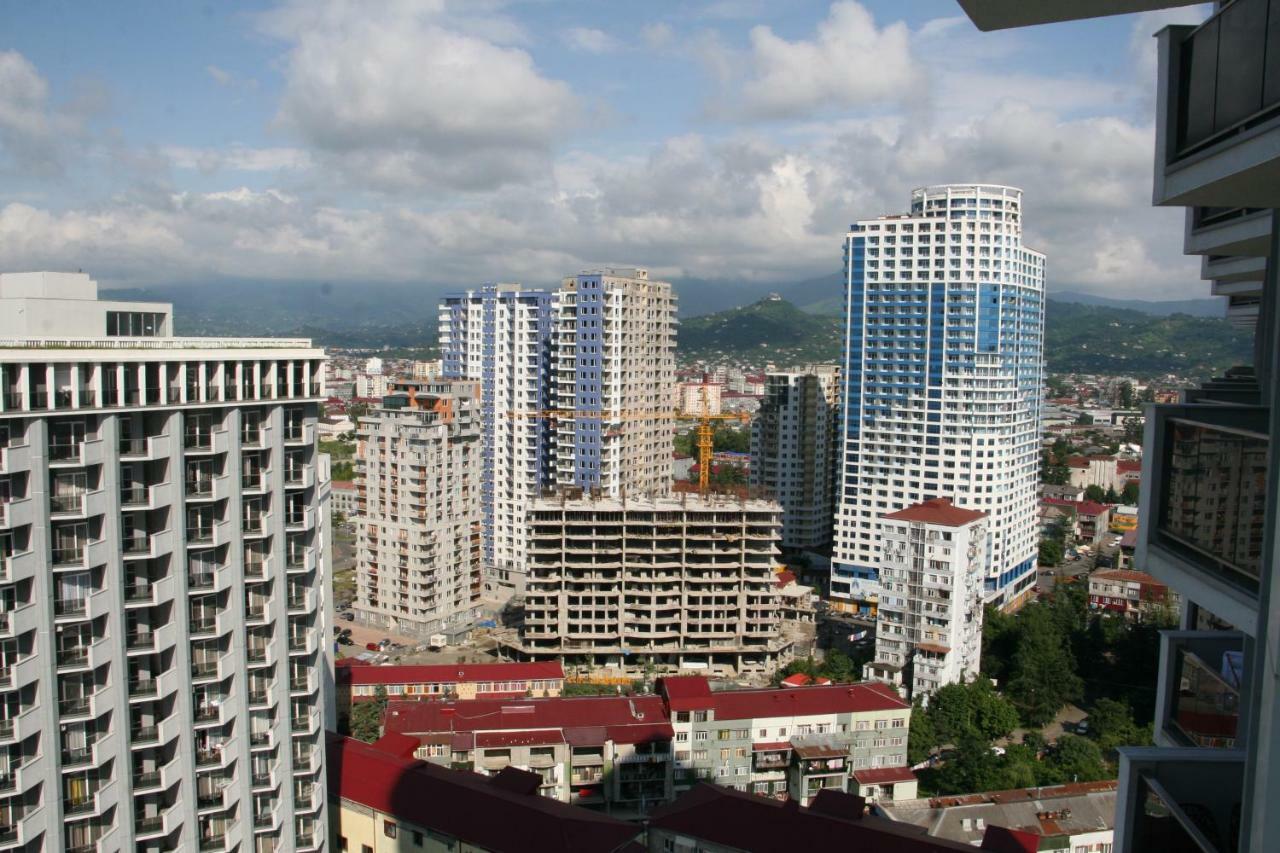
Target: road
pixel 1079 567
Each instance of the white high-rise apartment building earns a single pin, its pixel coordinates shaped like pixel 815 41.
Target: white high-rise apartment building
pixel 500 337
pixel 942 379
pixel 933 560
pixel 793 451
pixel 614 354
pixel 164 580
pixel 418 497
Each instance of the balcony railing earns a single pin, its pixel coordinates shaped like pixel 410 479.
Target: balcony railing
pixel 65 451
pixel 73 706
pixel 70 606
pixel 1227 67
pixel 1186 799
pixel 67 503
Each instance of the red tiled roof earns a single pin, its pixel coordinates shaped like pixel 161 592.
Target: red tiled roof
pixel 1084 461
pixel 785 577
pixel 686 692
pixel 776 746
pixel 1126 575
pixel 883 775
pixel 1125 465
pixel 802 680
pixel 341 662
pixel 464 804
pixel 343 485
pixel 937 511
pixel 743 821
pixel 456 673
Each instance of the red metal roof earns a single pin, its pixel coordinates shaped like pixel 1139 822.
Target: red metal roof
pixel 937 511
pixel 397 744
pixel 1125 465
pixel 456 673
pixel 541 737
pixel 821 699
pixel 738 820
pixel 584 721
pixel 1127 575
pixel 464 804
pixel 800 680
pixel 686 692
pixel 1081 507
pixel 776 746
pixel 883 775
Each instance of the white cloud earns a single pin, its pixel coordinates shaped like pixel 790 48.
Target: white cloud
pixel 849 62
pixel 32 133
pixel 590 40
pixel 657 36
pixel 396 97
pixel 220 76
pixel 238 158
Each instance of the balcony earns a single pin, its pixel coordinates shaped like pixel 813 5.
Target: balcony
pixel 1205 503
pixel 64 453
pixel 63 506
pixel 137 546
pixel 144 735
pixel 143 687
pixel 1184 799
pixel 70 556
pixel 73 658
pixel 140 641
pixel 70 608
pixel 75 706
pixel 1219 105
pixel 204 670
pixel 1202 677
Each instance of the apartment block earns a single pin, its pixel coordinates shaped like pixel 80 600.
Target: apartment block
pixel 942 377
pixel 614 374
pixel 628 755
pixel 164 580
pixel 418 567
pixel 390 803
pixel 929 624
pixel 1209 474
pixel 793 452
pixel 500 337
pixel 663 582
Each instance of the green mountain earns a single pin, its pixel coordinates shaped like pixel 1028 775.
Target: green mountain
pixel 1078 339
pixel 769 330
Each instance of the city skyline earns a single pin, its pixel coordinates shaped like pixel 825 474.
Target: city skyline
pixel 220 151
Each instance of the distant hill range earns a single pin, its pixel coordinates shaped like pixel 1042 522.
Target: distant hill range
pixel 1078 339
pixel 793 324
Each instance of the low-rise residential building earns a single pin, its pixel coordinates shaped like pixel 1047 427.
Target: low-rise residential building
pixel 1073 818
pixel 795 600
pixel 1091 518
pixel 1100 471
pixel 343 499
pixel 384 802
pixel 714 819
pixel 447 681
pixel 933 561
pixel 628 754
pixel 1129 593
pixel 1063 491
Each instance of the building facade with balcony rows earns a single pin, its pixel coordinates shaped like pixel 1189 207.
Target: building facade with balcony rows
pixel 164 577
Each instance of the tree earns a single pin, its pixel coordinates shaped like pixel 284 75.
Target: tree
pixel 1148 394
pixel 366 717
pixel 1077 759
pixel 1129 494
pixel 1111 497
pixel 971 711
pixel 1095 493
pixel 1133 430
pixel 1050 553
pixel 838 667
pixel 1125 395
pixel 922 737
pixel 1042 674
pixel 1111 725
pixel 1084 419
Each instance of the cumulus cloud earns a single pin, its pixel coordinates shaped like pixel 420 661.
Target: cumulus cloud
pixel 396 97
pixel 849 62
pixel 31 131
pixel 590 40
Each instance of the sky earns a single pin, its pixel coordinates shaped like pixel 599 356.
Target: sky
pixel 434 142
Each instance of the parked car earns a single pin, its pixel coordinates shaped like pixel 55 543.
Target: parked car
pixel 373 647
pixel 345 640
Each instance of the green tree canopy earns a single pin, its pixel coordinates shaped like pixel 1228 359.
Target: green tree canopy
pixel 1050 553
pixel 1095 493
pixel 1042 675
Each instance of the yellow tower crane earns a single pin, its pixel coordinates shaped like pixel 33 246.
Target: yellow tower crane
pixel 705 430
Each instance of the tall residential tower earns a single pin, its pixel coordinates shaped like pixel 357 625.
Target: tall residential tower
pixel 164 580
pixel 500 337
pixel 942 377
pixel 614 368
pixel 793 451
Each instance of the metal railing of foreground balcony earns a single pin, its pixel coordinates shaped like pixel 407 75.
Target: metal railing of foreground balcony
pixel 1229 76
pixel 1179 799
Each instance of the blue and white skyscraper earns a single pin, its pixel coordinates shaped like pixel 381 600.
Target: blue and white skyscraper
pixel 941 381
pixel 500 336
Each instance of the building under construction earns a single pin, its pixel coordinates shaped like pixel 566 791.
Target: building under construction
pixel 683 582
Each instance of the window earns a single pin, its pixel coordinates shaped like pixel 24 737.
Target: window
pixel 134 324
pixel 682 737
pixel 389 828
pixel 724 754
pixel 723 734
pixel 899 723
pixel 342 843
pixel 417 839
pixel 700 735
pixel 699 716
pixel 365 848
